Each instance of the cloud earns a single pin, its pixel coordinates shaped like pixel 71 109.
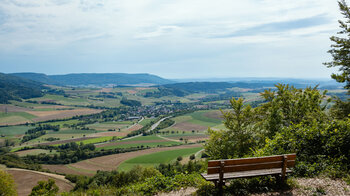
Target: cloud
pixel 157 31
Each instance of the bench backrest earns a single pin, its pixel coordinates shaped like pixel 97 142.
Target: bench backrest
pixel 248 164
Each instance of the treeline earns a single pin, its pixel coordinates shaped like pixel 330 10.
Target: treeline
pixel 130 102
pixel 72 152
pixel 163 92
pixel 38 131
pixel 16 88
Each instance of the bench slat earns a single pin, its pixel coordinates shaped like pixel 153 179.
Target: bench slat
pixel 216 163
pixel 248 167
pixel 245 174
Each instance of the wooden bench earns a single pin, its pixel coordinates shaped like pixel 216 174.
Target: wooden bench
pixel 220 170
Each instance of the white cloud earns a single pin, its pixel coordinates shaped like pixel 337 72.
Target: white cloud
pixel 183 27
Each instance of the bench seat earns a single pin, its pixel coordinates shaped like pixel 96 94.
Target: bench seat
pixel 244 174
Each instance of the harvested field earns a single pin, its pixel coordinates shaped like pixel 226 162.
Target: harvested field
pixel 60 114
pixel 134 127
pixel 63 169
pixel 127 142
pixel 109 162
pixel 12 108
pixel 132 91
pixel 185 126
pixel 214 114
pixel 191 138
pixel 14 120
pixel 31 152
pixel 26 180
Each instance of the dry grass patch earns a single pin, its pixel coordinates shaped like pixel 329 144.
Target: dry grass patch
pixel 61 114
pixel 185 126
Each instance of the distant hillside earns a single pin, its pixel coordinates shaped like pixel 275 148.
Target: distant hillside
pixel 13 87
pixel 95 79
pixel 183 89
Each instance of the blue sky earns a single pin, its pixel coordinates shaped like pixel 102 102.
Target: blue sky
pixel 172 39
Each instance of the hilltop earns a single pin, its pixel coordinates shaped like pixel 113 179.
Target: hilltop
pixel 95 79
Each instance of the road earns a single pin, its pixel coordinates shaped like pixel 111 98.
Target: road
pixel 155 125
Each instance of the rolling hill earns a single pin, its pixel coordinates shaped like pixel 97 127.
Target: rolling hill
pixel 13 87
pixel 95 79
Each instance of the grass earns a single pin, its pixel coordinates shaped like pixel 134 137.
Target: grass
pixel 96 140
pixel 182 134
pixel 15 117
pixel 61 123
pixel 157 158
pixel 110 125
pixel 146 121
pixel 145 138
pixel 199 118
pixel 145 144
pixel 14 130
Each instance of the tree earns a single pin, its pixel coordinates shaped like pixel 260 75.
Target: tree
pixel 238 139
pixel 48 188
pixel 289 105
pixel 7 185
pixel 341 48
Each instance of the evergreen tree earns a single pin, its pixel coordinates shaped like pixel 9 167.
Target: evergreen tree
pixel 341 48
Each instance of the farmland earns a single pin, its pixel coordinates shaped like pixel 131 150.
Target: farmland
pixel 110 162
pixel 90 129
pixel 157 158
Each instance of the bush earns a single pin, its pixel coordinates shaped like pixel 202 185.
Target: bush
pixel 7 185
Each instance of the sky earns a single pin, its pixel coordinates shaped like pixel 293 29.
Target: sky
pixel 169 38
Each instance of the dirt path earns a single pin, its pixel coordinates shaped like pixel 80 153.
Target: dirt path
pixel 27 179
pixel 109 162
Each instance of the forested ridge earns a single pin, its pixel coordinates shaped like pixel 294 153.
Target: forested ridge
pixel 15 88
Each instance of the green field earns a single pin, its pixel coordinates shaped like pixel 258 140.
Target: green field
pixel 199 118
pixel 67 122
pixel 153 159
pixel 14 130
pixel 110 125
pixel 146 121
pixel 97 140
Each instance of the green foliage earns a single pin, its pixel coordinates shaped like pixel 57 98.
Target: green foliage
pixel 130 102
pixel 7 184
pixel 289 105
pixel 247 186
pixel 341 109
pixel 13 160
pixel 319 146
pixel 44 188
pixel 237 141
pixel 340 48
pixel 16 88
